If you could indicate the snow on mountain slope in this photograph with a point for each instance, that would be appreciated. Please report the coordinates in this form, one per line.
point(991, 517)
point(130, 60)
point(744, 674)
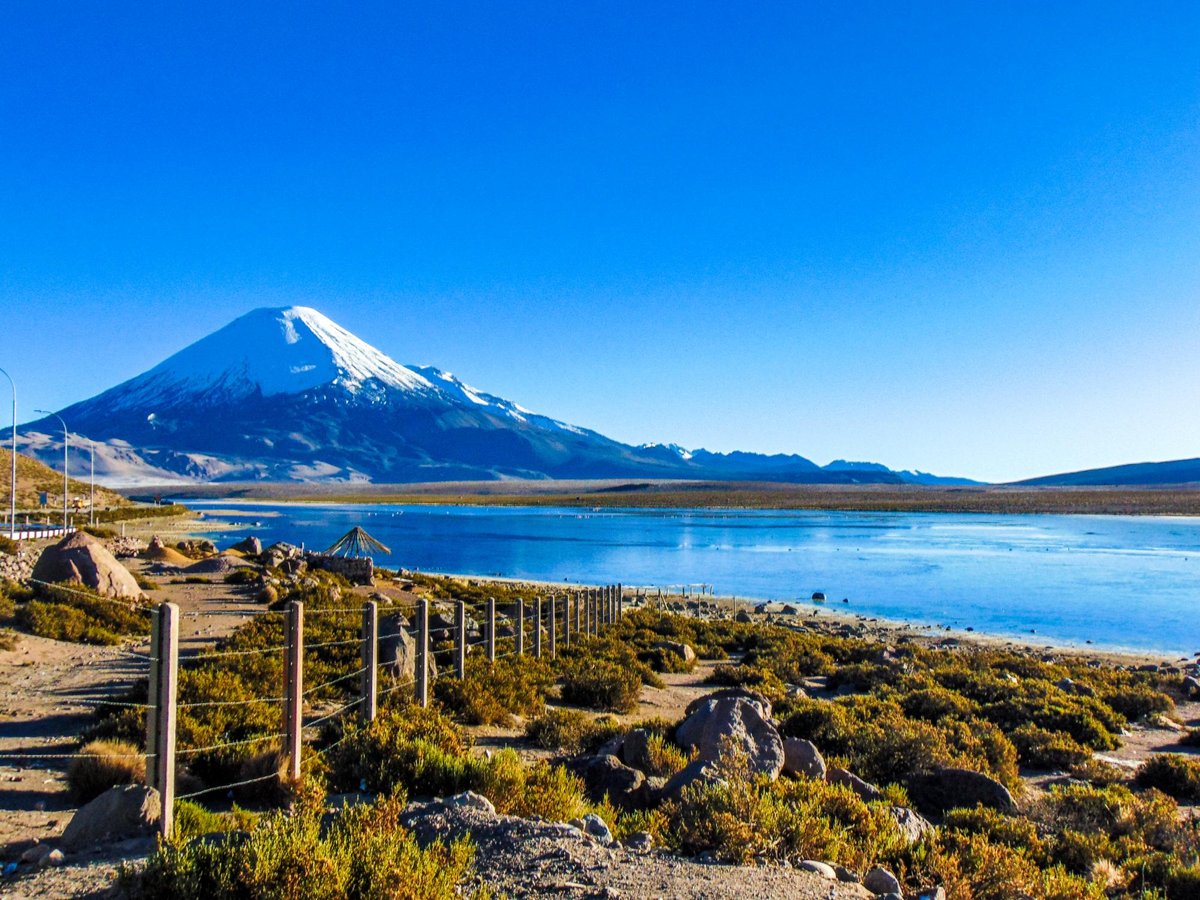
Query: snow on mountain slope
point(464, 393)
point(271, 351)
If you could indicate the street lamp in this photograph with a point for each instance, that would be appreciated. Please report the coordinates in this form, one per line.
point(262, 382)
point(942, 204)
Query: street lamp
point(66, 441)
point(12, 499)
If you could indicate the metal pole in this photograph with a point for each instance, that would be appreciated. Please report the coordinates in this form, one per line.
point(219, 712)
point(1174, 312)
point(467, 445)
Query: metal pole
point(12, 496)
point(66, 442)
point(370, 661)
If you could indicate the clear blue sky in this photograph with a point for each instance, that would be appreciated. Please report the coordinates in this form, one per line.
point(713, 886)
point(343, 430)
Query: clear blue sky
point(963, 237)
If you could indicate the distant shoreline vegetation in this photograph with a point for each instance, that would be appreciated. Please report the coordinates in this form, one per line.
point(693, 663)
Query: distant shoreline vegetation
point(1169, 500)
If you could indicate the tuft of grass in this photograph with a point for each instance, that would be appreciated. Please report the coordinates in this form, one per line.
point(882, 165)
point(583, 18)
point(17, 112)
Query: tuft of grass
point(146, 584)
point(102, 765)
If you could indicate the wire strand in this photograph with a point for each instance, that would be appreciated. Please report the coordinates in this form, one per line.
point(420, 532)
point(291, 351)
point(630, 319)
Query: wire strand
point(253, 740)
point(228, 787)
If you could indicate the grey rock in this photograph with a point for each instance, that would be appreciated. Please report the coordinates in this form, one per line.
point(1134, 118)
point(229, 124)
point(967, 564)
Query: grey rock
point(1191, 687)
point(952, 788)
point(56, 858)
point(743, 617)
point(398, 649)
point(847, 876)
point(635, 748)
point(680, 649)
point(608, 776)
point(641, 840)
point(824, 869)
point(595, 826)
point(881, 881)
point(864, 789)
point(737, 722)
point(802, 758)
point(251, 546)
point(698, 771)
point(120, 812)
point(758, 699)
point(912, 824)
point(471, 800)
point(82, 559)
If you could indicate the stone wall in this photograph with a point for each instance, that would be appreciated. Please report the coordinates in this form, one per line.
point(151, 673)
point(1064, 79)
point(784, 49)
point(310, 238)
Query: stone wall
point(20, 566)
point(356, 571)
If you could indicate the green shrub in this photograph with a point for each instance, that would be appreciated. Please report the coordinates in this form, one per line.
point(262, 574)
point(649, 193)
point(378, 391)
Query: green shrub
point(146, 584)
point(244, 575)
point(364, 853)
point(81, 616)
point(8, 546)
point(193, 820)
point(601, 684)
point(562, 729)
point(102, 765)
point(492, 693)
point(1175, 775)
point(1039, 748)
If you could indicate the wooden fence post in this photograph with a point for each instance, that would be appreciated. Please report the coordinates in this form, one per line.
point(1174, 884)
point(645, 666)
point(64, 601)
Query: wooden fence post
point(578, 601)
point(293, 695)
point(423, 652)
point(460, 646)
point(370, 661)
point(537, 626)
point(161, 717)
point(620, 600)
point(519, 627)
point(491, 629)
point(566, 623)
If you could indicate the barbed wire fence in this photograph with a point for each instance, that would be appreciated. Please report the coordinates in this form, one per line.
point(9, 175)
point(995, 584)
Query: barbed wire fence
point(534, 629)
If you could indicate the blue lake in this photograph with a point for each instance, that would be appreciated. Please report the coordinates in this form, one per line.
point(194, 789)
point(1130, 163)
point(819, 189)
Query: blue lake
point(1119, 581)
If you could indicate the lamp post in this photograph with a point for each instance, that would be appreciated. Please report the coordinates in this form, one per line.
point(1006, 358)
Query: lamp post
point(12, 498)
point(66, 441)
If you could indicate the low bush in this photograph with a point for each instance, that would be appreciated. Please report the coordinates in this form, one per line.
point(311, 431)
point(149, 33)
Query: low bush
point(492, 693)
point(8, 546)
point(193, 820)
point(243, 576)
point(99, 531)
point(1175, 775)
point(568, 730)
point(601, 684)
point(8, 639)
point(81, 616)
point(362, 853)
point(1039, 748)
point(102, 765)
point(146, 584)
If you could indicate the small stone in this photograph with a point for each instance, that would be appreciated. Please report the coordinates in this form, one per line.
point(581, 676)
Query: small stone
point(595, 826)
point(55, 858)
point(641, 840)
point(881, 881)
point(471, 800)
point(825, 870)
point(849, 876)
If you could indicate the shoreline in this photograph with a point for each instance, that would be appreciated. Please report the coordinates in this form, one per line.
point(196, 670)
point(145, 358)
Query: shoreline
point(883, 625)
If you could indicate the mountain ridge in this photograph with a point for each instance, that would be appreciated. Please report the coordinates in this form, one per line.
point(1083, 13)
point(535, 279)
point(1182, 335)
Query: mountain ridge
point(286, 394)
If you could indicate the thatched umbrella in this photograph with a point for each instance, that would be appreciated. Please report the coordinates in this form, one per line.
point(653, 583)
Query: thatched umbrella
point(356, 544)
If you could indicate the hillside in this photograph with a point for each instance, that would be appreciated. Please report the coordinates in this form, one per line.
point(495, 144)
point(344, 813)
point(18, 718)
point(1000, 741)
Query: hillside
point(1179, 471)
point(34, 477)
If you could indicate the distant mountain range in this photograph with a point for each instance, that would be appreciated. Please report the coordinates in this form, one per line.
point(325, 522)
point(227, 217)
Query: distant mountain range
point(288, 395)
point(1179, 471)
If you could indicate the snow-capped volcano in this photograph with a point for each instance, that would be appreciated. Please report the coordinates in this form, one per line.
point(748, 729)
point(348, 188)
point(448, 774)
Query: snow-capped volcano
point(269, 352)
point(287, 394)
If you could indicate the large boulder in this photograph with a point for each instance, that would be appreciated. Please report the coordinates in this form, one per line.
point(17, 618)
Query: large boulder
point(121, 812)
point(250, 546)
point(82, 559)
point(758, 699)
point(698, 771)
point(801, 757)
point(608, 776)
point(942, 789)
point(723, 722)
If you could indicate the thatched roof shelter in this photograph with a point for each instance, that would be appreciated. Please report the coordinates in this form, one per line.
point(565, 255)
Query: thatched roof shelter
point(356, 544)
